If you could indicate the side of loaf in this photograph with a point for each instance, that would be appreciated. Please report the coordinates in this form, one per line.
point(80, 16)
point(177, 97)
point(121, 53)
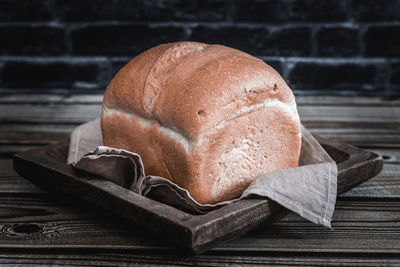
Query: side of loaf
point(207, 117)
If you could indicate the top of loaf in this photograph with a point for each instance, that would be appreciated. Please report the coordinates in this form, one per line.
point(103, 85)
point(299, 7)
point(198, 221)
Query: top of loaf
point(191, 88)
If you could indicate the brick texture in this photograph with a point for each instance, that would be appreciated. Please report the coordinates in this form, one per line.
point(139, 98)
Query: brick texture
point(262, 11)
point(83, 10)
point(318, 10)
point(336, 77)
point(318, 46)
point(121, 40)
point(37, 75)
point(32, 10)
point(250, 40)
point(32, 40)
point(383, 41)
point(172, 10)
point(375, 11)
point(337, 41)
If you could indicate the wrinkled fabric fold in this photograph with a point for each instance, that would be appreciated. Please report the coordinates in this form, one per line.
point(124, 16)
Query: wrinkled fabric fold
point(308, 190)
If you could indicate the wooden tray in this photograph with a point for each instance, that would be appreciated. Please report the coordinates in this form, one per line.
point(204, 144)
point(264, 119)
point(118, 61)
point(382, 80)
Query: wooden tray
point(46, 167)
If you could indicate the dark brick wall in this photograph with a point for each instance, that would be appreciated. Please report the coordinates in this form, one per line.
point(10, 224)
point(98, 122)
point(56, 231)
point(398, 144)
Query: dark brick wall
point(348, 47)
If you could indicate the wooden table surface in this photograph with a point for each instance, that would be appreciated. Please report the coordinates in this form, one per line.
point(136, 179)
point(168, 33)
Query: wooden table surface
point(38, 228)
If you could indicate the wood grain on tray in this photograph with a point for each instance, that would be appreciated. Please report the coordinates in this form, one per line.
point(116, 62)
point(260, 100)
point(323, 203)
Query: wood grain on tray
point(194, 233)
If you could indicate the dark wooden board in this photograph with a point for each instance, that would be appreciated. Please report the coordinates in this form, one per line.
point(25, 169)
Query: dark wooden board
point(48, 224)
point(46, 167)
point(107, 258)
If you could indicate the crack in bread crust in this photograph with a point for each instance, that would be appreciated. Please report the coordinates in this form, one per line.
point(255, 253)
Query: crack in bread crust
point(159, 71)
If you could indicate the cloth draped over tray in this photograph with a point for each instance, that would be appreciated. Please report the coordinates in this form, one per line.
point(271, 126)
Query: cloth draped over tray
point(309, 189)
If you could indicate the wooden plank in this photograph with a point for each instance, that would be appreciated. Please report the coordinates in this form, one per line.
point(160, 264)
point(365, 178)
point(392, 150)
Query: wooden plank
point(12, 183)
point(359, 227)
point(21, 137)
point(58, 108)
point(53, 99)
point(360, 121)
point(44, 221)
point(16, 138)
point(367, 114)
point(6, 169)
point(18, 185)
point(384, 185)
point(47, 114)
point(9, 150)
point(366, 137)
point(346, 101)
point(391, 155)
point(33, 135)
point(97, 99)
point(79, 113)
point(129, 258)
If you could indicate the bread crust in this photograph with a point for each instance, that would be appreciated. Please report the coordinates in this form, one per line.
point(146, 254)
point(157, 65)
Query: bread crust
point(207, 117)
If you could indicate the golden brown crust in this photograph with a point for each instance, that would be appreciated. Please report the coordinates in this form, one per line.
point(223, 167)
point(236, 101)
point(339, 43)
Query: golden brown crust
point(209, 86)
point(208, 117)
point(126, 88)
point(161, 70)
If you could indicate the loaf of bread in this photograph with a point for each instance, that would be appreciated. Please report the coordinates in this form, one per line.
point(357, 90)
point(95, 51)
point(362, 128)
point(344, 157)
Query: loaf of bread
point(207, 117)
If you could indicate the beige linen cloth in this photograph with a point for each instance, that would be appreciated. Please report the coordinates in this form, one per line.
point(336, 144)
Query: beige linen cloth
point(309, 190)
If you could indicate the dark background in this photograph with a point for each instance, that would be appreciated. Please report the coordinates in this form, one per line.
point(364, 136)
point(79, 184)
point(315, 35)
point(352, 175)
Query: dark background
point(348, 47)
